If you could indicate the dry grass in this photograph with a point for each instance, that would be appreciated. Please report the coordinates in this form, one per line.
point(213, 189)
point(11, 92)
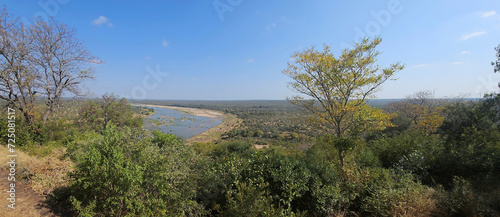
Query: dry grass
point(34, 175)
point(41, 173)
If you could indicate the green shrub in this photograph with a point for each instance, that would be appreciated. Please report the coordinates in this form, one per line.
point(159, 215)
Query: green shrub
point(122, 175)
point(163, 140)
point(250, 200)
point(463, 200)
point(96, 114)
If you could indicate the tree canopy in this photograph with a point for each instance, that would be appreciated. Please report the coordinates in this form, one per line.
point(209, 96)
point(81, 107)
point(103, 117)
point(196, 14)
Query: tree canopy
point(337, 88)
point(44, 58)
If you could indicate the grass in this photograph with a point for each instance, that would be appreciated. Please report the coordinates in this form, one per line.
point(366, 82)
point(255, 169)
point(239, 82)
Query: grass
point(40, 173)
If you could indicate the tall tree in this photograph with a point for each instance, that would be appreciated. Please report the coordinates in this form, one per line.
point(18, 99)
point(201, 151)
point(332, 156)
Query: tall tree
point(45, 59)
point(61, 60)
point(496, 64)
point(17, 76)
point(338, 88)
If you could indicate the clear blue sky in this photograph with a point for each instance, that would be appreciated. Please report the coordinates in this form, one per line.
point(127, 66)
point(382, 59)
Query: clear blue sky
point(177, 49)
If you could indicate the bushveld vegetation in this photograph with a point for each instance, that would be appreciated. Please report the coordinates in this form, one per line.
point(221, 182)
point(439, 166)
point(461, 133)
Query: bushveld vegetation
point(422, 157)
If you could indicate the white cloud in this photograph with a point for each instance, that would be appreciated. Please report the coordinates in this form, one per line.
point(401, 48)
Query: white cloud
point(472, 35)
point(271, 26)
point(148, 58)
point(102, 20)
point(164, 43)
point(457, 63)
point(194, 79)
point(488, 14)
point(464, 52)
point(420, 65)
point(250, 60)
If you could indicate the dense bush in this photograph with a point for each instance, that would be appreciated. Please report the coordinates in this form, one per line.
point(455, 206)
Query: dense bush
point(122, 175)
point(96, 114)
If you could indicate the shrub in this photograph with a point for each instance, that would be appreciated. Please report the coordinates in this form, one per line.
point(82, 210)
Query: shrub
point(121, 175)
point(462, 200)
point(96, 114)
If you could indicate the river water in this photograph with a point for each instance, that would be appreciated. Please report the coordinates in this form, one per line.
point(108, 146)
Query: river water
point(178, 123)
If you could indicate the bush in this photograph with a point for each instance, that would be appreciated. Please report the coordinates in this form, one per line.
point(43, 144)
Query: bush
point(121, 175)
point(250, 200)
point(463, 200)
point(96, 114)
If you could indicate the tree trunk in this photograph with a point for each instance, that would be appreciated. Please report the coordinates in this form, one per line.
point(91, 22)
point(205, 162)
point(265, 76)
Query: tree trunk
point(48, 111)
point(30, 119)
point(341, 157)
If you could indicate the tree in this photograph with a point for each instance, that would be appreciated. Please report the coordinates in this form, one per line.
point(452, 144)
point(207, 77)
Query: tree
point(98, 113)
point(17, 77)
point(61, 61)
point(43, 58)
point(422, 109)
point(338, 88)
point(496, 64)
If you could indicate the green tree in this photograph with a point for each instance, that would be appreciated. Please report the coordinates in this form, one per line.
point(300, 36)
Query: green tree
point(338, 88)
point(96, 114)
point(496, 64)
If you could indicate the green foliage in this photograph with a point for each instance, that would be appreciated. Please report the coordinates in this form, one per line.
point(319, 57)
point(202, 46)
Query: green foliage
point(322, 153)
point(250, 200)
point(393, 194)
point(96, 114)
point(392, 151)
point(122, 175)
point(463, 200)
point(496, 64)
point(162, 139)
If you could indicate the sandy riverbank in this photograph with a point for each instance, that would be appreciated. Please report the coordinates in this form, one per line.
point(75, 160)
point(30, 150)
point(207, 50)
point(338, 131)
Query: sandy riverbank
point(191, 111)
point(213, 134)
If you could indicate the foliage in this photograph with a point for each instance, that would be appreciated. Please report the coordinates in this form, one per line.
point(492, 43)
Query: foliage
point(338, 88)
point(251, 200)
point(162, 139)
point(496, 64)
point(96, 114)
point(122, 175)
point(422, 108)
point(462, 200)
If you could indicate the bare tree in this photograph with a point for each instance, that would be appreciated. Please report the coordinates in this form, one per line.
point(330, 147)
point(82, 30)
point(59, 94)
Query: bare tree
point(45, 59)
point(61, 60)
point(17, 76)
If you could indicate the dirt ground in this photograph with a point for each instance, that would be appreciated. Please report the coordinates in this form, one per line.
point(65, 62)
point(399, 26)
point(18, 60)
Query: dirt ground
point(28, 202)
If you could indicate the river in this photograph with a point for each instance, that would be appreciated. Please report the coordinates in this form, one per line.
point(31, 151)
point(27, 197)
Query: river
point(178, 123)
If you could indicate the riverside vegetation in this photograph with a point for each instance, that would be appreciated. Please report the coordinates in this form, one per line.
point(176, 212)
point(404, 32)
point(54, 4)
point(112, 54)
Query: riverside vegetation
point(420, 156)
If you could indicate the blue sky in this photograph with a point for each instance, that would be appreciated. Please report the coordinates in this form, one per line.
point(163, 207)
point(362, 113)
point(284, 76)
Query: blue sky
point(236, 49)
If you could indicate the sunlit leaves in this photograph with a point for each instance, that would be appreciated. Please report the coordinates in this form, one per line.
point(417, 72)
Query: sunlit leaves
point(338, 87)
